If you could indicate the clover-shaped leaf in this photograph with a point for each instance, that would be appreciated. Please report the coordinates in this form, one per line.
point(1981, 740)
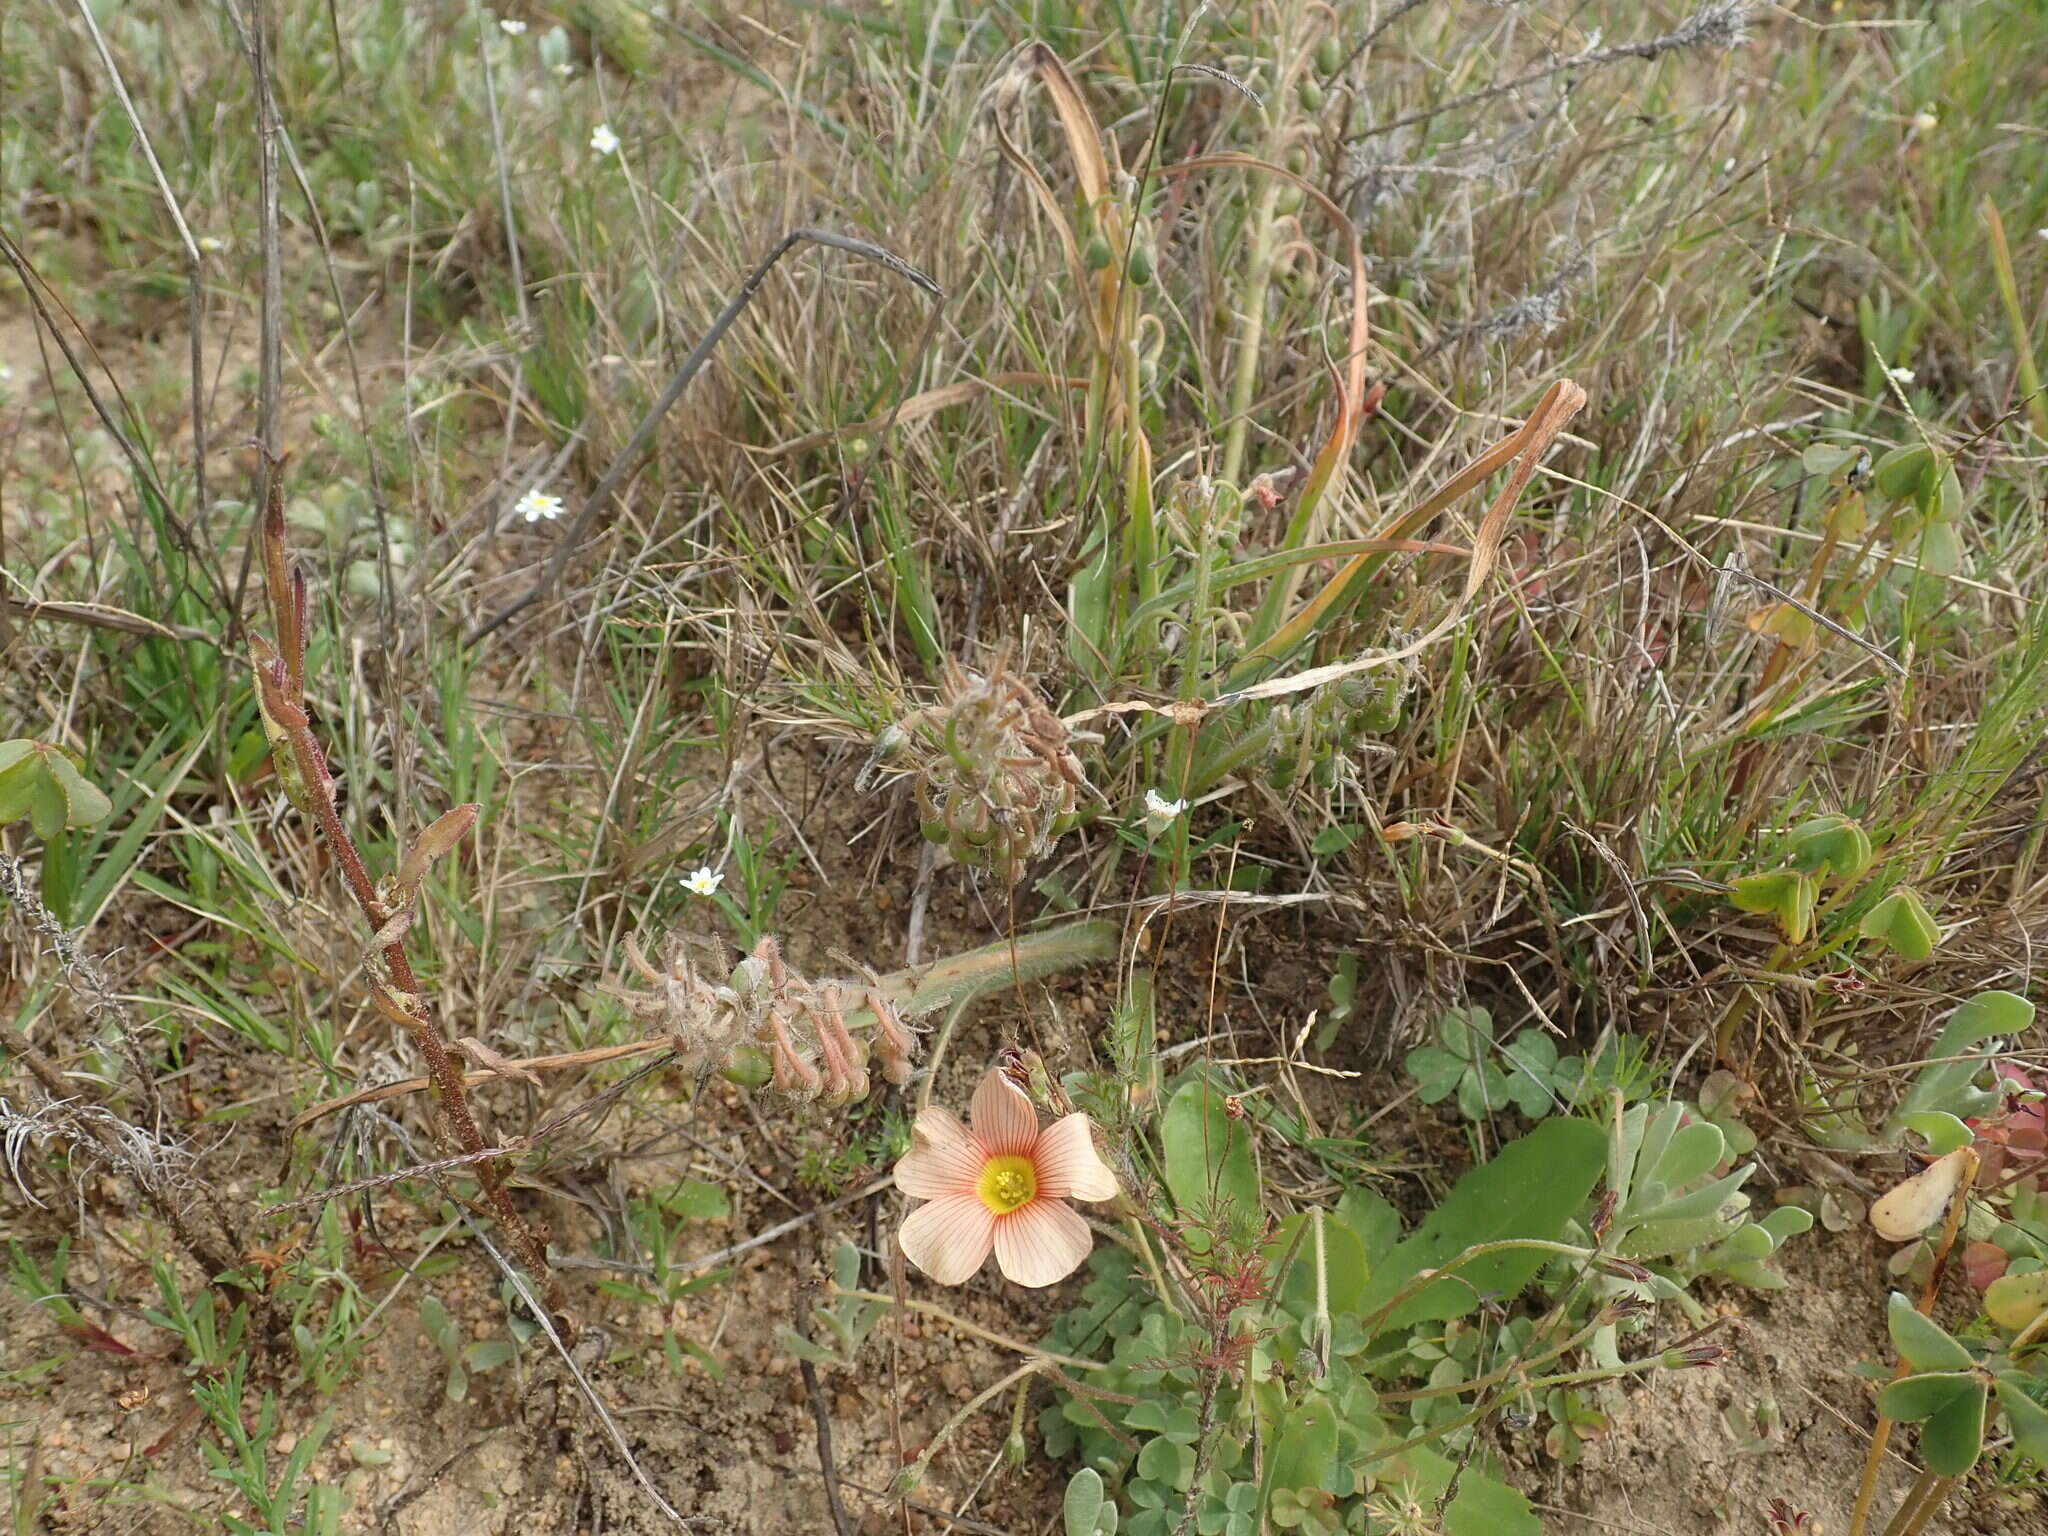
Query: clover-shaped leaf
point(43, 783)
point(1901, 920)
point(1922, 1342)
point(2027, 1419)
point(1830, 844)
point(1436, 1072)
point(1532, 1072)
point(1783, 894)
point(1904, 472)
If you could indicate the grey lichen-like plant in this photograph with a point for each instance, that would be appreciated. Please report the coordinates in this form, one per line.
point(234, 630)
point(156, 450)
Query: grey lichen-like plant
point(766, 1023)
point(997, 781)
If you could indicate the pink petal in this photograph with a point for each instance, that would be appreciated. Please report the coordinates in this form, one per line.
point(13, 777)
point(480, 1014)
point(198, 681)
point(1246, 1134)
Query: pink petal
point(1068, 1164)
point(1004, 1122)
point(1042, 1242)
point(948, 1238)
point(943, 1159)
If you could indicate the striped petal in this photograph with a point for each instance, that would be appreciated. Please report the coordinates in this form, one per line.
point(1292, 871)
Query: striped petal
point(942, 1160)
point(1004, 1122)
point(1042, 1242)
point(948, 1238)
point(1068, 1164)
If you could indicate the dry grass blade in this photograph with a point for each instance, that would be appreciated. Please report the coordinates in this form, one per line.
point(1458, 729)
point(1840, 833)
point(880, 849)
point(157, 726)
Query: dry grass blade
point(628, 457)
point(1562, 401)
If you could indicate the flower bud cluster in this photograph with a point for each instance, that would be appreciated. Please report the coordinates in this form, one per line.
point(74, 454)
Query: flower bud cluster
point(996, 780)
point(766, 1023)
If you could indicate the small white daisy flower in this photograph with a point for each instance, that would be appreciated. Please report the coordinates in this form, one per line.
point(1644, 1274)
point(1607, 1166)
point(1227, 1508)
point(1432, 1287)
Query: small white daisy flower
point(511, 26)
point(1160, 812)
point(603, 141)
point(1901, 375)
point(535, 505)
point(703, 881)
point(212, 245)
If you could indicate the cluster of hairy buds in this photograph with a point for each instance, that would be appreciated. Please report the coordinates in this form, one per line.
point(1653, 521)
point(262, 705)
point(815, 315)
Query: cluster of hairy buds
point(996, 779)
point(765, 1023)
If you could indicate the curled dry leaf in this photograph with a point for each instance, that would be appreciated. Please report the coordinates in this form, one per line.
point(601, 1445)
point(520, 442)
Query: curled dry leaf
point(1918, 1204)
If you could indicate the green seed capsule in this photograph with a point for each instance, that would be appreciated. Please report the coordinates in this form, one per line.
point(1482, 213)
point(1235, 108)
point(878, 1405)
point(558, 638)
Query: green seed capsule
point(1310, 94)
point(1290, 199)
point(1097, 254)
point(1141, 265)
point(1329, 56)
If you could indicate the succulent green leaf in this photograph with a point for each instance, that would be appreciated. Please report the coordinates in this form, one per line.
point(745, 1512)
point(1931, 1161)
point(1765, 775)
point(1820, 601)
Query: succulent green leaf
point(85, 805)
point(1913, 1398)
point(1825, 459)
point(1785, 895)
point(1830, 844)
point(1942, 1131)
point(1945, 1083)
point(1920, 1340)
point(1081, 1509)
point(1305, 1447)
point(2017, 1301)
point(48, 810)
point(2027, 1419)
point(1208, 1154)
point(1953, 1437)
point(1530, 1189)
point(1693, 1153)
point(1901, 920)
point(1901, 473)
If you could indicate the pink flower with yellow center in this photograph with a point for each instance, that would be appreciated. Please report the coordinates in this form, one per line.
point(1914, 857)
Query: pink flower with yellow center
point(1000, 1184)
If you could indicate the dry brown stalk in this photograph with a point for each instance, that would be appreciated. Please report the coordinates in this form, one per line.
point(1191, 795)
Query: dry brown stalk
point(302, 767)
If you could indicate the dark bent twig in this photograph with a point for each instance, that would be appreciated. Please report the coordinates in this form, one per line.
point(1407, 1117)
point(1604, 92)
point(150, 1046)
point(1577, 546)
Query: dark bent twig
point(629, 457)
point(820, 1416)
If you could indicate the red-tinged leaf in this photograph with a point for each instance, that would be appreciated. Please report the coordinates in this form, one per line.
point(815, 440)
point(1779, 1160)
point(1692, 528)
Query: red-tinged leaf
point(1984, 1263)
point(93, 1337)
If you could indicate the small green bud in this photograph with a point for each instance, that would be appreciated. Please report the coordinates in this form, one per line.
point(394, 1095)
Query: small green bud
point(1329, 57)
point(1290, 199)
point(1310, 94)
point(1096, 254)
point(748, 1066)
point(1141, 264)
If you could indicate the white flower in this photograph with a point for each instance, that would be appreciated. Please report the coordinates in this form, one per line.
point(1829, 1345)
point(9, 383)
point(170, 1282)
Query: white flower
point(703, 881)
point(212, 245)
point(603, 140)
point(1901, 375)
point(511, 26)
point(1924, 121)
point(535, 505)
point(1160, 812)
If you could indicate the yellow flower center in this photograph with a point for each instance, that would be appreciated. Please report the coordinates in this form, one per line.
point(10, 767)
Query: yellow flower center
point(1006, 1183)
